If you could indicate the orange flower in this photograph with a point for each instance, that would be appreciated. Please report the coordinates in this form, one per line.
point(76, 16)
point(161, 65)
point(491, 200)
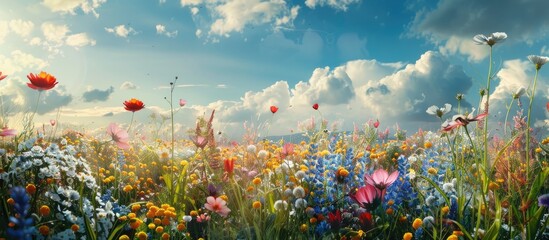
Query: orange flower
point(31, 188)
point(44, 230)
point(133, 105)
point(44, 210)
point(42, 81)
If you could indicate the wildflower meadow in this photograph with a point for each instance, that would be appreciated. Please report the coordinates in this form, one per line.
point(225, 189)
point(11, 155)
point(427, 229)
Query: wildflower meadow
point(461, 181)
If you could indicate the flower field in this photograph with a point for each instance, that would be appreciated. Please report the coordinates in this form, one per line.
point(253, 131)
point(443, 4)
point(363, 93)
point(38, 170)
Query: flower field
point(462, 181)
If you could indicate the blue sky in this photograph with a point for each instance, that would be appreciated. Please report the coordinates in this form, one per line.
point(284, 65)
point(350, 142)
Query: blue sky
point(359, 59)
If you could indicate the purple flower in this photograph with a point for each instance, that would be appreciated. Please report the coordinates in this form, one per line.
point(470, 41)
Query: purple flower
point(543, 200)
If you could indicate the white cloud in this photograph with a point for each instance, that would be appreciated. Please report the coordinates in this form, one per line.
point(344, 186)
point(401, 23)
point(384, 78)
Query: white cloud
point(544, 50)
point(225, 17)
point(21, 27)
point(121, 31)
point(70, 6)
point(56, 36)
point(332, 88)
point(127, 85)
point(452, 22)
point(161, 1)
point(19, 61)
point(351, 93)
point(466, 47)
point(54, 33)
point(4, 30)
point(337, 4)
point(79, 40)
point(514, 74)
point(161, 29)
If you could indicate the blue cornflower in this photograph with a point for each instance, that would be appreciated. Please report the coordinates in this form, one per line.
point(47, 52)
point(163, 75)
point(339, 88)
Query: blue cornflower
point(23, 224)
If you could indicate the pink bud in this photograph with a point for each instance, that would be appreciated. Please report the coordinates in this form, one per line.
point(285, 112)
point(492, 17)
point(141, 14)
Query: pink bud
point(53, 122)
point(182, 102)
point(376, 124)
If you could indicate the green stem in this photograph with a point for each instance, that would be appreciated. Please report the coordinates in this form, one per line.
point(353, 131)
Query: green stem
point(533, 91)
point(131, 123)
point(507, 116)
point(486, 110)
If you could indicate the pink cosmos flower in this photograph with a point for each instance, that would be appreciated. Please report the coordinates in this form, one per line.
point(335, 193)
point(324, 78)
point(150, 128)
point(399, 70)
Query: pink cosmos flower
point(461, 120)
point(217, 205)
point(118, 135)
point(366, 195)
point(381, 179)
point(6, 132)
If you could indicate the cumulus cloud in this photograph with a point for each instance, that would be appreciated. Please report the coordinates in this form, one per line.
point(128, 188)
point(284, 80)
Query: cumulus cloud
point(121, 31)
point(354, 92)
point(54, 33)
point(96, 95)
point(225, 17)
point(325, 87)
point(514, 74)
point(453, 23)
point(21, 27)
point(127, 85)
point(70, 6)
point(337, 4)
point(57, 35)
point(4, 30)
point(161, 29)
point(79, 40)
point(19, 61)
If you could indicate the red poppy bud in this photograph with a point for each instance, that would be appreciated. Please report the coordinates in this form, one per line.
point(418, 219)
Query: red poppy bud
point(315, 106)
point(274, 109)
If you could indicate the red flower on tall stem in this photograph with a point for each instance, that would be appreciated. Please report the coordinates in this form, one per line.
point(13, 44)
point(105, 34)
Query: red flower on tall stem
point(274, 109)
point(133, 105)
point(41, 81)
point(315, 106)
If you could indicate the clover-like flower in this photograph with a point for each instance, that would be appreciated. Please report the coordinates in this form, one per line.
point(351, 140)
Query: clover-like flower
point(436, 111)
point(538, 60)
point(490, 40)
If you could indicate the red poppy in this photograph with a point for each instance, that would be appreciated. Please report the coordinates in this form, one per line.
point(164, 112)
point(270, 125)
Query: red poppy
point(2, 76)
point(133, 105)
point(315, 106)
point(42, 81)
point(274, 109)
point(229, 166)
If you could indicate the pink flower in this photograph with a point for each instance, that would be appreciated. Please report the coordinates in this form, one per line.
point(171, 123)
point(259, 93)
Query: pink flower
point(381, 179)
point(461, 120)
point(53, 122)
point(376, 124)
point(203, 218)
point(118, 135)
point(182, 102)
point(365, 196)
point(217, 205)
point(2, 76)
point(6, 132)
point(199, 141)
point(287, 149)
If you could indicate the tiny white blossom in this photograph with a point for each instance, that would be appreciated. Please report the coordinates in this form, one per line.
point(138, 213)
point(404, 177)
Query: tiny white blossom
point(519, 93)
